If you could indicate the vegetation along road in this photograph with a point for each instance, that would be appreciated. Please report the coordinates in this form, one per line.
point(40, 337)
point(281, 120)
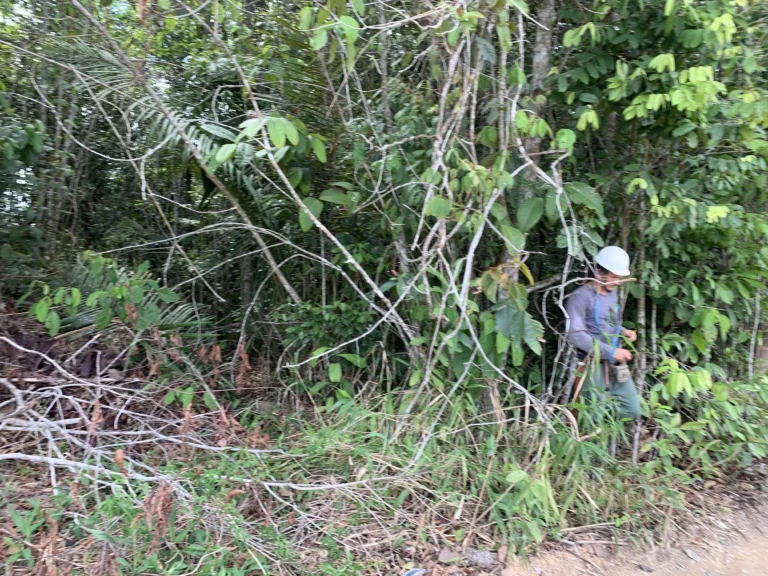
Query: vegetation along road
point(352, 287)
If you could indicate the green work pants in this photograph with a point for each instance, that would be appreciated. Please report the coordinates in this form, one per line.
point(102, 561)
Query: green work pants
point(623, 394)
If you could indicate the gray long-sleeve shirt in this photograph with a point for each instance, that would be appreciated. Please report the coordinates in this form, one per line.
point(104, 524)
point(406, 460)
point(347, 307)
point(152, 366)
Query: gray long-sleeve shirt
point(594, 318)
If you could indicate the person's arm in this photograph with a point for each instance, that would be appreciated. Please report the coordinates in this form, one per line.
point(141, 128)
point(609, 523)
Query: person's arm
point(577, 306)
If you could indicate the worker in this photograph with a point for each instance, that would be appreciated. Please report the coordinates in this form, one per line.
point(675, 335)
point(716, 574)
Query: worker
point(595, 331)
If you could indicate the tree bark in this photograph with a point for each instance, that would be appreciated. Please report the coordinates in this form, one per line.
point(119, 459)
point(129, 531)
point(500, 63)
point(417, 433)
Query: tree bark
point(753, 340)
point(542, 62)
point(642, 354)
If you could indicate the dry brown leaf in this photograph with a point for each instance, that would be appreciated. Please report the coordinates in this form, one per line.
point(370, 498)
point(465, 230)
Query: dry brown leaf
point(130, 310)
point(245, 367)
point(215, 356)
point(119, 461)
point(258, 440)
point(158, 507)
point(154, 369)
point(48, 544)
point(96, 419)
point(232, 493)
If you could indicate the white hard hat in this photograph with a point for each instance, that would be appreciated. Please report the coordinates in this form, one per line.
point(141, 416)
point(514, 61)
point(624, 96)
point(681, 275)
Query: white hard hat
point(613, 259)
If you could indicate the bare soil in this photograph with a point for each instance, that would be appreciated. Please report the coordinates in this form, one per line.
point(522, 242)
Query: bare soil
point(735, 544)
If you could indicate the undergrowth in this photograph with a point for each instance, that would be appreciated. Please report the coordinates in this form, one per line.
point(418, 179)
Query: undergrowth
point(351, 488)
point(189, 467)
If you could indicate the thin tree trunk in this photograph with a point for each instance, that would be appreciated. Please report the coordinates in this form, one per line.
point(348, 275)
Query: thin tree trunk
point(654, 310)
point(323, 278)
point(753, 340)
point(542, 62)
point(384, 65)
point(642, 357)
point(246, 281)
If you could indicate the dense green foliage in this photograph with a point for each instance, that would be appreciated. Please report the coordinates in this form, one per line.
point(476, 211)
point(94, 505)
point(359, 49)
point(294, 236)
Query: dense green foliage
point(378, 208)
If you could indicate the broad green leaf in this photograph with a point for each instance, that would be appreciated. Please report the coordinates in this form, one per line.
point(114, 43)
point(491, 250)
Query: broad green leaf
point(487, 51)
point(517, 476)
point(143, 267)
point(693, 426)
point(359, 6)
point(699, 341)
point(315, 206)
point(529, 213)
point(148, 316)
point(725, 325)
point(226, 153)
point(276, 131)
point(502, 343)
point(521, 5)
point(516, 76)
point(335, 197)
point(683, 129)
point(350, 27)
point(186, 396)
point(318, 147)
point(720, 391)
point(319, 39)
point(724, 293)
point(210, 401)
point(532, 332)
point(252, 126)
point(135, 294)
point(355, 359)
point(53, 323)
point(167, 295)
point(103, 318)
point(438, 207)
point(334, 372)
point(521, 121)
point(305, 18)
point(490, 286)
point(663, 62)
point(290, 131)
point(92, 299)
point(219, 131)
point(513, 236)
point(77, 297)
point(750, 64)
point(41, 310)
point(566, 139)
point(316, 355)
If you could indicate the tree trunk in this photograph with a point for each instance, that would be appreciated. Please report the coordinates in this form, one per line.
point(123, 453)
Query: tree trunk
point(246, 281)
point(642, 354)
point(542, 62)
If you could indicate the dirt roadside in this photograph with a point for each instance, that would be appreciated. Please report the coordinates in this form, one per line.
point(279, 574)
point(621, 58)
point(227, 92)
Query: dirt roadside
point(731, 545)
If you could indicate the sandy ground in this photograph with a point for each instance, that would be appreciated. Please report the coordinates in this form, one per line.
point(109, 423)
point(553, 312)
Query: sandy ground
point(736, 546)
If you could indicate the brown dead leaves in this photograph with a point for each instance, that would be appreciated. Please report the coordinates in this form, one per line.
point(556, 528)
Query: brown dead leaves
point(96, 419)
point(156, 512)
point(244, 367)
point(120, 462)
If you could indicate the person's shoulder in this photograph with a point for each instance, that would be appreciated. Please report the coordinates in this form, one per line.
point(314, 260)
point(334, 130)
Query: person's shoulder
point(582, 294)
point(581, 291)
